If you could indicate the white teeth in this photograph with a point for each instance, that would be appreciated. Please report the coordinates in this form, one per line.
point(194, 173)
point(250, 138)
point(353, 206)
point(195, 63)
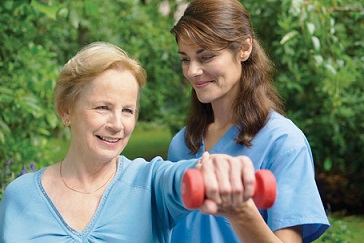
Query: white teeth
point(110, 140)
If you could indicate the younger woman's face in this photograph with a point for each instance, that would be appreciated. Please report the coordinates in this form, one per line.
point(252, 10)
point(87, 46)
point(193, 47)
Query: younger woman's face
point(214, 75)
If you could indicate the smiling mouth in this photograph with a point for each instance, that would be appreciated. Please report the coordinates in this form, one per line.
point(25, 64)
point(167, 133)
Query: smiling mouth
point(202, 84)
point(109, 140)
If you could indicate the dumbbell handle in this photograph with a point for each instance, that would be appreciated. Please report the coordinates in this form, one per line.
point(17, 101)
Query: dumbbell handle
point(193, 189)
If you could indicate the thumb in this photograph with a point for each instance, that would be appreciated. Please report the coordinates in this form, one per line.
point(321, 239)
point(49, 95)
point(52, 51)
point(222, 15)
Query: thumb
point(205, 156)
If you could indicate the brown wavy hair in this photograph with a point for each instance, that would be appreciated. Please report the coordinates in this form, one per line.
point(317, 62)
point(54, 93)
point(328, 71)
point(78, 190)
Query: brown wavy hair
point(219, 24)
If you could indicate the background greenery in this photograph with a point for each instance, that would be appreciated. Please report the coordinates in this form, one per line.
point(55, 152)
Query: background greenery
point(317, 46)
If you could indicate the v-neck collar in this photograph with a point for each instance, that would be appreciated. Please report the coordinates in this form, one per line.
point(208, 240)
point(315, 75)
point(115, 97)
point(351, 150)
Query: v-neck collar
point(227, 138)
point(88, 229)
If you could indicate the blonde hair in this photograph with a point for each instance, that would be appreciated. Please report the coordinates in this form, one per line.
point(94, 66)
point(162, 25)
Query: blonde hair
point(86, 65)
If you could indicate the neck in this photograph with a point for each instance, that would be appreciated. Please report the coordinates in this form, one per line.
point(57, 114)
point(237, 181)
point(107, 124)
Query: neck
point(86, 181)
point(222, 113)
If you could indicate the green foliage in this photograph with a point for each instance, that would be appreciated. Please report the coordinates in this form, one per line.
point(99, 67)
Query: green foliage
point(344, 229)
point(27, 76)
point(320, 78)
point(341, 234)
point(318, 50)
point(148, 141)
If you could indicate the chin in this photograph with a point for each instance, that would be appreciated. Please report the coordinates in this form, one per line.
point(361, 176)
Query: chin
point(204, 100)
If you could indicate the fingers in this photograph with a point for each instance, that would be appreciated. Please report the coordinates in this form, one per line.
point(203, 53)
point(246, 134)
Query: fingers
point(237, 187)
point(204, 158)
point(248, 178)
point(209, 169)
point(209, 207)
point(229, 181)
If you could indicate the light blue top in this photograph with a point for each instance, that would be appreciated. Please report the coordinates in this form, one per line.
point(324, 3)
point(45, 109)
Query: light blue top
point(280, 147)
point(141, 204)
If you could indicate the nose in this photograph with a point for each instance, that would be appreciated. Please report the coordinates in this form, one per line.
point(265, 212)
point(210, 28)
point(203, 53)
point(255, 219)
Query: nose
point(116, 122)
point(194, 69)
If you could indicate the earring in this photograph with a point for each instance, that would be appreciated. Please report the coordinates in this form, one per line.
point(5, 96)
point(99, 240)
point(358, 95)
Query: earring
point(67, 123)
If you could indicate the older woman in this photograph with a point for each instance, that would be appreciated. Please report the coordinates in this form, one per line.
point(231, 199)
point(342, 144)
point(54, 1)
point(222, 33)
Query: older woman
point(94, 194)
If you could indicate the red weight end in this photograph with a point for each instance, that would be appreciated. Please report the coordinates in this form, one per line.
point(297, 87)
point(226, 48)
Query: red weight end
point(265, 189)
point(193, 189)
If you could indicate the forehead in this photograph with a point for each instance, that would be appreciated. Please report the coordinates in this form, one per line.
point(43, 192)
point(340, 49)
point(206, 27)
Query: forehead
point(188, 48)
point(114, 84)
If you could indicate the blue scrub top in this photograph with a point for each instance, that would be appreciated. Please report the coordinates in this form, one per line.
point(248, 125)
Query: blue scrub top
point(280, 147)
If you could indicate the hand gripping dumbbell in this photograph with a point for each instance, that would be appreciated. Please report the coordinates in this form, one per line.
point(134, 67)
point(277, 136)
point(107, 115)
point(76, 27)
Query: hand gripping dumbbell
point(193, 189)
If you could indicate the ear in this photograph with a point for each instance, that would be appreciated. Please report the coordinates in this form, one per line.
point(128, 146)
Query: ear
point(66, 118)
point(246, 49)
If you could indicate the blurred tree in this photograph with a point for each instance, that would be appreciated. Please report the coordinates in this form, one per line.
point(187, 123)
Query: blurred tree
point(27, 73)
point(319, 73)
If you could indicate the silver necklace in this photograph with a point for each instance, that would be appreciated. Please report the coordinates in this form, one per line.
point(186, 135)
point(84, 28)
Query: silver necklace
point(72, 189)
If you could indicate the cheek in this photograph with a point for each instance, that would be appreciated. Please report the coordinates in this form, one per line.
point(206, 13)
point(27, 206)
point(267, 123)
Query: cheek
point(225, 67)
point(95, 120)
point(232, 73)
point(82, 121)
point(185, 71)
point(129, 125)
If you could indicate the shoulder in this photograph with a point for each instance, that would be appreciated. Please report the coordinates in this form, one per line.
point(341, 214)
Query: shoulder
point(279, 123)
point(179, 137)
point(22, 183)
point(21, 188)
point(281, 130)
point(279, 140)
point(177, 148)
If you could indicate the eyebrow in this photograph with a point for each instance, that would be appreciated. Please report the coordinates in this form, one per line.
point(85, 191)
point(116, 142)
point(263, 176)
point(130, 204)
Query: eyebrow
point(197, 52)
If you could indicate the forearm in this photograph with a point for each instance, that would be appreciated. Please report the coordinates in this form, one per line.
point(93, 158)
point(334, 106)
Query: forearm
point(249, 225)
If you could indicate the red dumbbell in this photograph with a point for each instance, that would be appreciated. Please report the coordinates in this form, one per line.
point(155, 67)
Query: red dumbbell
point(193, 189)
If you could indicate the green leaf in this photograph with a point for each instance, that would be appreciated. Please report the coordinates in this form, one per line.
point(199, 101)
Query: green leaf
point(52, 119)
point(319, 59)
point(288, 36)
point(311, 28)
point(331, 68)
point(4, 129)
point(327, 164)
point(74, 18)
point(2, 137)
point(50, 11)
point(316, 43)
point(30, 104)
point(43, 131)
point(296, 7)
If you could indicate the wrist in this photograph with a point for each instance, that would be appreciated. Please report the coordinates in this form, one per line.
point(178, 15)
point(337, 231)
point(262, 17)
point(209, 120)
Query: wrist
point(243, 212)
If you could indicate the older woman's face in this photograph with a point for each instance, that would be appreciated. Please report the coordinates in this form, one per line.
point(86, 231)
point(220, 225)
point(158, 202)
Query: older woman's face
point(104, 116)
